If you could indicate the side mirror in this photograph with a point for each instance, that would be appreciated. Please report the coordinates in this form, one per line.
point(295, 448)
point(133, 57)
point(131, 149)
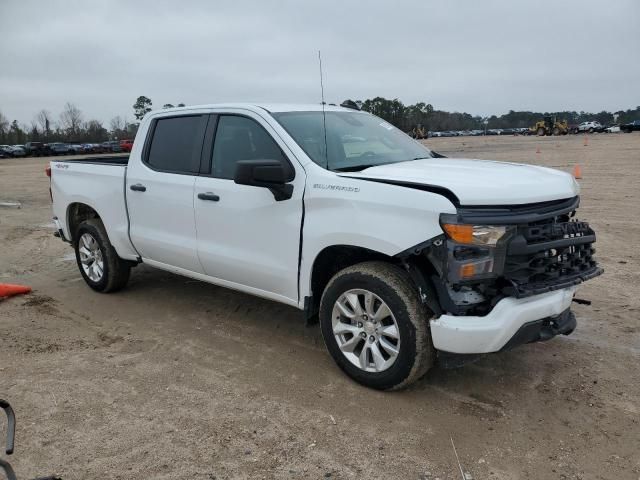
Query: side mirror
point(271, 174)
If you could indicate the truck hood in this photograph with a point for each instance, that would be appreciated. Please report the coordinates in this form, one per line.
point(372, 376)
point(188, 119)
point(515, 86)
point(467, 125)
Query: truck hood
point(478, 182)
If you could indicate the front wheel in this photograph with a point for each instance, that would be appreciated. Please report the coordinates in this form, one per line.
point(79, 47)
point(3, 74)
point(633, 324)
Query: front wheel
point(97, 260)
point(541, 132)
point(375, 327)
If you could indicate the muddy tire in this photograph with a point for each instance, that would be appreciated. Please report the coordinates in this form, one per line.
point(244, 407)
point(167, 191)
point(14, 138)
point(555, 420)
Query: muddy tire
point(556, 131)
point(541, 132)
point(375, 327)
point(97, 260)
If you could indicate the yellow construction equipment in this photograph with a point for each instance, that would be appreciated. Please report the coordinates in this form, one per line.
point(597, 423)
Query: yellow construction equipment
point(549, 126)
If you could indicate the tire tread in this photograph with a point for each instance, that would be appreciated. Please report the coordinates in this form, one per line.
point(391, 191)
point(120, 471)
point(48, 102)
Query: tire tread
point(399, 281)
point(118, 270)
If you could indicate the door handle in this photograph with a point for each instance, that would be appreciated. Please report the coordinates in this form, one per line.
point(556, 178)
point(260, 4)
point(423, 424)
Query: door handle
point(138, 187)
point(209, 196)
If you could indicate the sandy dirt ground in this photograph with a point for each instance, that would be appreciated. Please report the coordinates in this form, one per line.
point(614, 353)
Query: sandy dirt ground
point(176, 379)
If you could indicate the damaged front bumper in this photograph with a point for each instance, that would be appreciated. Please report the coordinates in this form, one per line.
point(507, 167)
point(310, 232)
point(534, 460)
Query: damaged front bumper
point(496, 330)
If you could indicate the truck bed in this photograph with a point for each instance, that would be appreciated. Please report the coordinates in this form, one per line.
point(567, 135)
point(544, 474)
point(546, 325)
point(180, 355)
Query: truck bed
point(98, 184)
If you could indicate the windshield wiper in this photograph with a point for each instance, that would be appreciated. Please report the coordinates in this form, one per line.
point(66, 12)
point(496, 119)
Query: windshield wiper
point(433, 155)
point(356, 168)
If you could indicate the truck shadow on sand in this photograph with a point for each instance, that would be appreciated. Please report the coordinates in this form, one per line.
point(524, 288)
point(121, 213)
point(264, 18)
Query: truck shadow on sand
point(279, 326)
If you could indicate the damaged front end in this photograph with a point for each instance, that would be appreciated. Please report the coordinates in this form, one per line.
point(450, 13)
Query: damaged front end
point(487, 254)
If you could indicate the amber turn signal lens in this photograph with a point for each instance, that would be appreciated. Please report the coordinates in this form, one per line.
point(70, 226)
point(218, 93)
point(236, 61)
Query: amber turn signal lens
point(459, 233)
point(468, 270)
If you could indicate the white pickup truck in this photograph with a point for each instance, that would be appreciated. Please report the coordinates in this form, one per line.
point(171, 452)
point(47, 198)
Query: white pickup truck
point(404, 256)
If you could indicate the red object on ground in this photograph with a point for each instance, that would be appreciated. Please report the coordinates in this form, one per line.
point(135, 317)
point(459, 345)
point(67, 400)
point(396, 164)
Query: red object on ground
point(9, 290)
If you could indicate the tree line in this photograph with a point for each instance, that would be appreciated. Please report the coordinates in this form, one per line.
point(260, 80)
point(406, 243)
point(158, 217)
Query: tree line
point(406, 117)
point(70, 125)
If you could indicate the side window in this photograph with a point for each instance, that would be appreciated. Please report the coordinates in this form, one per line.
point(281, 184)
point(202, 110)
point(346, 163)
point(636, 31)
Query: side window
point(241, 138)
point(176, 144)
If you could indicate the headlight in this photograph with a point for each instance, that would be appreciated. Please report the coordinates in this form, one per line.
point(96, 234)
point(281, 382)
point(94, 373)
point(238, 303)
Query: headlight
point(474, 252)
point(474, 234)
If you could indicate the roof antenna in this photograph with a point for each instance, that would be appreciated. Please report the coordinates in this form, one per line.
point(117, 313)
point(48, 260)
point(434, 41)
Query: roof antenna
point(324, 116)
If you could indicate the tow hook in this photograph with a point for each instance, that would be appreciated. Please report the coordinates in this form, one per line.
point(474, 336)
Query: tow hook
point(11, 434)
point(581, 301)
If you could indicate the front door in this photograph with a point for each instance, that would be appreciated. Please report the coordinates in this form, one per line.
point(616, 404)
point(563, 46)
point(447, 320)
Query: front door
point(247, 239)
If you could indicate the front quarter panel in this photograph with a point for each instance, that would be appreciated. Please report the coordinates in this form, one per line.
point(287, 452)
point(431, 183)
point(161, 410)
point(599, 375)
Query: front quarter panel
point(381, 217)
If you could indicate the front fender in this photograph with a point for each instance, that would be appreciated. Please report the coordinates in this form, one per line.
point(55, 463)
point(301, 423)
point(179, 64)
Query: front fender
point(386, 219)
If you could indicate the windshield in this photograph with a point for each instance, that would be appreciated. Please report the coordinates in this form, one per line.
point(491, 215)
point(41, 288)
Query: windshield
point(354, 140)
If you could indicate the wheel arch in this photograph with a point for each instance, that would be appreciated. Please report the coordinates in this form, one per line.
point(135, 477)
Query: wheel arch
point(78, 212)
point(334, 258)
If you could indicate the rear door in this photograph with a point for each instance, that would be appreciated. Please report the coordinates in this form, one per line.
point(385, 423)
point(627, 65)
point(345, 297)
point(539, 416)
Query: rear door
point(247, 239)
point(159, 191)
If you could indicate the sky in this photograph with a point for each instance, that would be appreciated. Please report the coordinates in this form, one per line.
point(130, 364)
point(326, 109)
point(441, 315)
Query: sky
point(482, 57)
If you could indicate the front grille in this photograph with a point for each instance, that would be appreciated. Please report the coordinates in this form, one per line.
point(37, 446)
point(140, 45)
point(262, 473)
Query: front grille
point(550, 254)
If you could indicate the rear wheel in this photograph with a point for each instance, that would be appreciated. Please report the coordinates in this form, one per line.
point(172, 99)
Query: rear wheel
point(591, 130)
point(556, 131)
point(375, 327)
point(541, 132)
point(97, 260)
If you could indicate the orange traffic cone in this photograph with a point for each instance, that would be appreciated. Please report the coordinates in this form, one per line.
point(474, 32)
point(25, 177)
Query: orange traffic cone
point(586, 141)
point(577, 172)
point(538, 150)
point(8, 290)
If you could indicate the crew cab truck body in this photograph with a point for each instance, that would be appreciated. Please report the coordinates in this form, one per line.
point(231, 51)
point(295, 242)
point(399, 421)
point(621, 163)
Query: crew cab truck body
point(404, 256)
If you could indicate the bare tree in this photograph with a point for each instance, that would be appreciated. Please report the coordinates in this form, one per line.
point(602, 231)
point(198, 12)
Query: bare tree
point(34, 133)
point(43, 119)
point(117, 124)
point(4, 125)
point(95, 132)
point(71, 119)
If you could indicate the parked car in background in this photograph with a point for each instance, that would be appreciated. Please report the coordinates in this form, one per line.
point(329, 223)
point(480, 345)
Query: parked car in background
point(631, 126)
point(37, 149)
point(126, 145)
point(76, 148)
point(590, 127)
point(18, 150)
point(6, 151)
point(612, 129)
point(58, 148)
point(91, 148)
point(112, 146)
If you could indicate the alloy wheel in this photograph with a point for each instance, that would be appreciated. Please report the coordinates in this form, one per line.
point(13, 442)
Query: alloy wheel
point(366, 330)
point(91, 257)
